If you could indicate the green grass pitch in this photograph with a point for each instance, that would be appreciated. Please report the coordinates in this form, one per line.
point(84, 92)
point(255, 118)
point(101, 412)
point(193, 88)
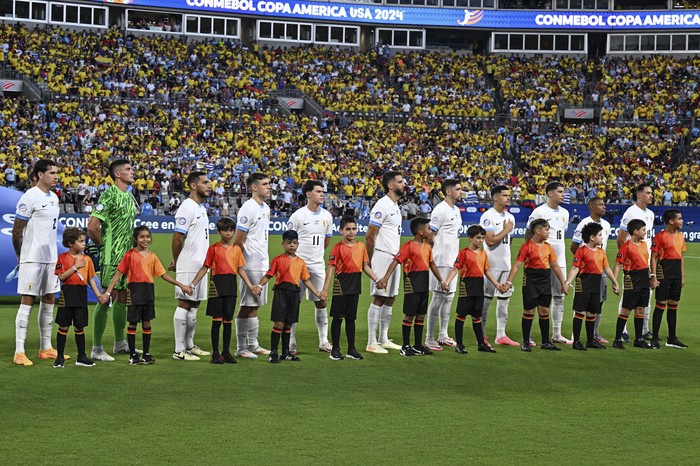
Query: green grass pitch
point(597, 407)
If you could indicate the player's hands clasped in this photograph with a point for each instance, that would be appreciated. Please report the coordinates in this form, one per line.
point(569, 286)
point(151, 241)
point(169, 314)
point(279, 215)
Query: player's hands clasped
point(103, 298)
point(187, 289)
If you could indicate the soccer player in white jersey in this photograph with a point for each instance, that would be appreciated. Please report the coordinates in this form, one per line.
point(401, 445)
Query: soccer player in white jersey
point(251, 236)
point(499, 224)
point(558, 218)
point(34, 240)
point(596, 208)
point(643, 198)
point(383, 243)
point(446, 222)
point(314, 224)
point(189, 246)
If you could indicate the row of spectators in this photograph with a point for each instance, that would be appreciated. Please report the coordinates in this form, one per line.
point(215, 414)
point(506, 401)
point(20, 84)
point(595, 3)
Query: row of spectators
point(109, 64)
point(166, 142)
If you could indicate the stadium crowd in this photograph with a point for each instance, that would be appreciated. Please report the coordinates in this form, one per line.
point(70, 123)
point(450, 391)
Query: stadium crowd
point(188, 98)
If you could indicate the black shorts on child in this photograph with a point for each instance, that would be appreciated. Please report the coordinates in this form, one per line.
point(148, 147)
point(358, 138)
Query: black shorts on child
point(345, 306)
point(285, 304)
point(470, 305)
point(536, 296)
point(222, 306)
point(632, 299)
point(73, 315)
point(586, 301)
point(415, 304)
point(140, 312)
point(669, 288)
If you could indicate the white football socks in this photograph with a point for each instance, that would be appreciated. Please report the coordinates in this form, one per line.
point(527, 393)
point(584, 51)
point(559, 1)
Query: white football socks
point(373, 315)
point(445, 315)
point(433, 316)
point(45, 319)
point(322, 325)
point(180, 327)
point(501, 316)
point(190, 327)
point(253, 327)
point(21, 324)
point(241, 334)
point(384, 322)
point(557, 315)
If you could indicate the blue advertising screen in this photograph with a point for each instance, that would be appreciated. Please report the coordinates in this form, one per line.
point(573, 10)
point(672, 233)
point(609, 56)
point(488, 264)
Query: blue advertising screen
point(441, 17)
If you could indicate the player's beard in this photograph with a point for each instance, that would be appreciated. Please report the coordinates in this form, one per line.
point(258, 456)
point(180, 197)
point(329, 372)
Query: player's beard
point(398, 192)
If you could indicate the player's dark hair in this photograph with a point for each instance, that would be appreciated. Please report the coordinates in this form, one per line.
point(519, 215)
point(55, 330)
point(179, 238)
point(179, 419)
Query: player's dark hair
point(639, 189)
point(290, 235)
point(71, 235)
point(498, 189)
point(670, 214)
point(225, 223)
point(552, 186)
point(417, 223)
point(41, 166)
point(537, 224)
point(591, 229)
point(138, 230)
point(309, 186)
point(194, 177)
point(388, 177)
point(448, 184)
point(634, 225)
point(115, 166)
point(474, 230)
point(593, 200)
point(346, 219)
point(254, 178)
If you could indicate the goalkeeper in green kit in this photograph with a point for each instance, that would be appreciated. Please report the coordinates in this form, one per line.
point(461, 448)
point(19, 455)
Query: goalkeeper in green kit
point(111, 227)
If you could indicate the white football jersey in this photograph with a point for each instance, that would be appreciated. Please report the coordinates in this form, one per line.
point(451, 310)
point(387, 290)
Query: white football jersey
point(646, 215)
point(254, 220)
point(446, 221)
point(313, 229)
point(558, 223)
point(387, 216)
point(192, 221)
point(579, 228)
point(499, 255)
point(40, 210)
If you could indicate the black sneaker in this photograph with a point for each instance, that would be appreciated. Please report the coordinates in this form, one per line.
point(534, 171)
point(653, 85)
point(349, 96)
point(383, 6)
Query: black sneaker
point(422, 350)
point(625, 337)
point(578, 346)
point(84, 361)
point(216, 358)
point(655, 344)
point(595, 345)
point(406, 350)
point(548, 345)
point(461, 349)
point(135, 360)
point(648, 336)
point(525, 346)
point(59, 362)
point(336, 355)
point(641, 343)
point(148, 359)
point(273, 358)
point(353, 354)
point(675, 343)
point(484, 348)
point(290, 357)
point(617, 344)
point(228, 358)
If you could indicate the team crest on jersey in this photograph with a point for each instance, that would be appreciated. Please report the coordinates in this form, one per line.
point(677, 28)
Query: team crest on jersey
point(181, 221)
point(378, 215)
point(324, 223)
point(243, 219)
point(22, 207)
point(99, 208)
point(487, 222)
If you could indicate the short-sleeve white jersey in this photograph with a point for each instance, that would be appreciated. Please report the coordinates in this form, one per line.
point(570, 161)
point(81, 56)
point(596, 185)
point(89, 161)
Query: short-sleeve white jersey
point(254, 220)
point(313, 229)
point(446, 221)
point(40, 210)
point(558, 220)
point(387, 216)
point(192, 221)
point(499, 255)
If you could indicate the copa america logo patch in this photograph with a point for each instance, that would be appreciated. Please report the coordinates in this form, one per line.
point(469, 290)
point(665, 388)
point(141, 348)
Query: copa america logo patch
point(99, 207)
point(290, 226)
point(22, 207)
point(378, 215)
point(181, 221)
point(487, 222)
point(243, 219)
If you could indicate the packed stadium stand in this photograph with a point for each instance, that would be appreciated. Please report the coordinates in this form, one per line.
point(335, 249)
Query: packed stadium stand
point(171, 102)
